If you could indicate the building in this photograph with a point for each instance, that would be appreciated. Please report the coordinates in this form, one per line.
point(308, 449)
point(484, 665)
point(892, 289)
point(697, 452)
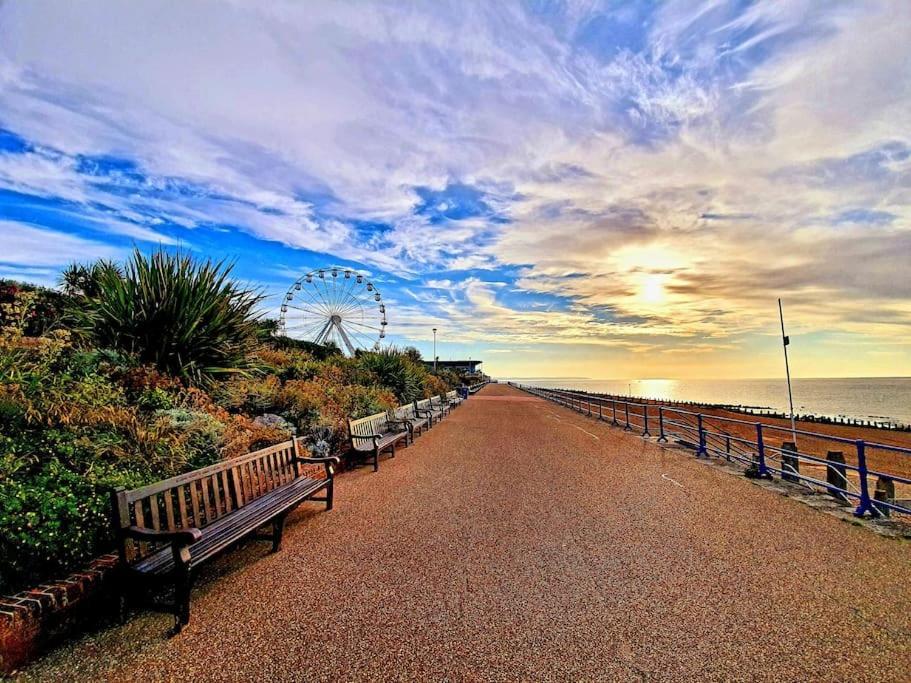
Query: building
point(462, 367)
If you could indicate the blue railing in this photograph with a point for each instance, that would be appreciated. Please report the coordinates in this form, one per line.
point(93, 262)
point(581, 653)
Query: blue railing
point(845, 471)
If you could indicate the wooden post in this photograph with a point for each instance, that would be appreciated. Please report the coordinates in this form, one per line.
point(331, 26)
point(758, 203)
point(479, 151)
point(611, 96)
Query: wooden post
point(885, 493)
point(837, 475)
point(790, 462)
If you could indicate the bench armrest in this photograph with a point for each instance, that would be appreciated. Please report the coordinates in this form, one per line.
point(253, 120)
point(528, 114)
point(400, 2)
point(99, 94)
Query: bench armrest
point(398, 422)
point(314, 460)
point(366, 436)
point(185, 536)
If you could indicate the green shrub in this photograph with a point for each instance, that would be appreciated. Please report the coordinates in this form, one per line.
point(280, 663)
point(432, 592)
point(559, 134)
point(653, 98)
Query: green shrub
point(55, 520)
point(199, 435)
point(396, 371)
point(253, 395)
point(30, 310)
point(186, 318)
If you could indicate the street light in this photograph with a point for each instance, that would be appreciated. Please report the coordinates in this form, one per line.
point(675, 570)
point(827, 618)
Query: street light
point(434, 349)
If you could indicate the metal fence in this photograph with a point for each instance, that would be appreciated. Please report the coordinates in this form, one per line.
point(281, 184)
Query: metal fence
point(874, 477)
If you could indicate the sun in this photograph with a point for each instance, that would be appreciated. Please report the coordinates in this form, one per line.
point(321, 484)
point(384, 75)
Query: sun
point(652, 289)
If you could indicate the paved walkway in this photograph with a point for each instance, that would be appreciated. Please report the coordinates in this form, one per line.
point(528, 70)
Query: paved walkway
point(520, 541)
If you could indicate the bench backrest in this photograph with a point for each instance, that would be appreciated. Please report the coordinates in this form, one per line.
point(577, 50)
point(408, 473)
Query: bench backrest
point(440, 401)
point(423, 404)
point(198, 498)
point(405, 412)
point(452, 395)
point(365, 426)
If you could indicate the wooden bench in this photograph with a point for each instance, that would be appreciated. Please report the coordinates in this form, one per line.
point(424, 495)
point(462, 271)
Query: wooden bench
point(414, 422)
point(376, 433)
point(441, 404)
point(454, 399)
point(425, 408)
point(166, 530)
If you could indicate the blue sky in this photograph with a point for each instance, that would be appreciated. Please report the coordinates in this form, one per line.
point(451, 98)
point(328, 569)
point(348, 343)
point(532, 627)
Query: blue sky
point(561, 188)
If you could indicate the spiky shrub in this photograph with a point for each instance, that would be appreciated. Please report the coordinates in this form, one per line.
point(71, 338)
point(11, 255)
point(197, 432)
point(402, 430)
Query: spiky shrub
point(396, 371)
point(186, 318)
point(84, 280)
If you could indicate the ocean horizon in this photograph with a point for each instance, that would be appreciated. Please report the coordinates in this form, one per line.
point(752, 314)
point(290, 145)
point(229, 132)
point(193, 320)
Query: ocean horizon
point(882, 399)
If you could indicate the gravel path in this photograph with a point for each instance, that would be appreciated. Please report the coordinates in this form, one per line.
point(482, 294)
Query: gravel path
point(520, 541)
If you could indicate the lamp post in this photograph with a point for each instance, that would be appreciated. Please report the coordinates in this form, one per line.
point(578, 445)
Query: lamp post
point(785, 341)
point(434, 349)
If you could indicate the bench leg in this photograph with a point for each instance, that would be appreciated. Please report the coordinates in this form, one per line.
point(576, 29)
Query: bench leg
point(122, 604)
point(376, 459)
point(278, 527)
point(183, 582)
point(329, 493)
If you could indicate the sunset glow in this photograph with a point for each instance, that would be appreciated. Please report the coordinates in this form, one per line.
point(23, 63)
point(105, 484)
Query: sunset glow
point(588, 189)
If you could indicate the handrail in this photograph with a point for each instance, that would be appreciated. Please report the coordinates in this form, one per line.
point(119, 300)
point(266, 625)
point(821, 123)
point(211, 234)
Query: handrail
point(717, 435)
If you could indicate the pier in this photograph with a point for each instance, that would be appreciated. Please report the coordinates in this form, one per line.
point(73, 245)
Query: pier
point(520, 540)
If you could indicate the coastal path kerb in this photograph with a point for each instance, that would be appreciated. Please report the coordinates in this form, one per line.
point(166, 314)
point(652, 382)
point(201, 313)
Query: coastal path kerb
point(520, 541)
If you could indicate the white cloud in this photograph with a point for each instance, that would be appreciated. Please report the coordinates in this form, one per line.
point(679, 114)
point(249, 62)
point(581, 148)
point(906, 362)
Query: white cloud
point(654, 175)
point(29, 245)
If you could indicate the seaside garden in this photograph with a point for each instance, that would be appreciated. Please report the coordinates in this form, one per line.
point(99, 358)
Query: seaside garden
point(129, 373)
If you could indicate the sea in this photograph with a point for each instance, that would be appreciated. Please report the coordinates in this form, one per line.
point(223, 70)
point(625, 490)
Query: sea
point(881, 399)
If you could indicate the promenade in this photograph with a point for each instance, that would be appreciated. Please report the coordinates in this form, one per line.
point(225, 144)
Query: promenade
point(520, 541)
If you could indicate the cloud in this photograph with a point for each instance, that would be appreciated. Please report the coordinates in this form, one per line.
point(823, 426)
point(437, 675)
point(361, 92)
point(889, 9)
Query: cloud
point(639, 175)
point(29, 245)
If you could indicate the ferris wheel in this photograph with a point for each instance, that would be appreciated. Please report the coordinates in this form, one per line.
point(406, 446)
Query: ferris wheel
point(334, 305)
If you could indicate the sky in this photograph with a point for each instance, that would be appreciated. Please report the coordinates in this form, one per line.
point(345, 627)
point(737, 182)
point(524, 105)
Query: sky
point(575, 188)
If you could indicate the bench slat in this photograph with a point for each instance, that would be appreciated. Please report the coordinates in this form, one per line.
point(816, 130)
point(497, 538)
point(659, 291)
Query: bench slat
point(216, 496)
point(194, 501)
point(227, 491)
point(153, 511)
point(143, 548)
point(169, 508)
point(237, 480)
point(205, 489)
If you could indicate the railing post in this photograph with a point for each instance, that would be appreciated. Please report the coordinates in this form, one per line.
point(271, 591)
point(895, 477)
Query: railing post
point(759, 470)
point(661, 437)
point(600, 408)
point(727, 447)
point(627, 428)
point(589, 399)
point(865, 505)
point(645, 420)
point(702, 452)
point(614, 406)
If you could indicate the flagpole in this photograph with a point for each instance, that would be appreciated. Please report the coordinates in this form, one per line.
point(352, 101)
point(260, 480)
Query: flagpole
point(785, 341)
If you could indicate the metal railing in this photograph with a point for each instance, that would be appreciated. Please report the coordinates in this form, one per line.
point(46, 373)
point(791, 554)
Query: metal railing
point(875, 476)
point(474, 388)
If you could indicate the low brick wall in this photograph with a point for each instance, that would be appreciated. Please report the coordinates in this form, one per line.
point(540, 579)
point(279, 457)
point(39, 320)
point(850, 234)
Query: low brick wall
point(32, 619)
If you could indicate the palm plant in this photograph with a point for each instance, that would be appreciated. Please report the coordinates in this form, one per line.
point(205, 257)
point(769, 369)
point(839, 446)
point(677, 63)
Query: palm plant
point(84, 281)
point(187, 318)
point(394, 370)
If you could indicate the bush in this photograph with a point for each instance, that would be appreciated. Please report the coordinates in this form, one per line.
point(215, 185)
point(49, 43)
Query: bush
point(396, 371)
point(185, 318)
point(31, 311)
point(254, 395)
point(54, 520)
